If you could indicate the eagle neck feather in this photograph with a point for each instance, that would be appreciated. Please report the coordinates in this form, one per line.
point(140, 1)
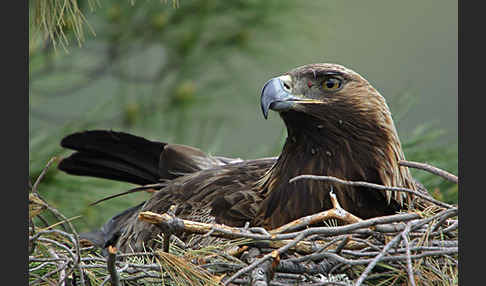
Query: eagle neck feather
point(314, 148)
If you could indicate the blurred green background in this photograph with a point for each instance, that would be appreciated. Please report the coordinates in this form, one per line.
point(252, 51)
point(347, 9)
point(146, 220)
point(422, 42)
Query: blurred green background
point(191, 73)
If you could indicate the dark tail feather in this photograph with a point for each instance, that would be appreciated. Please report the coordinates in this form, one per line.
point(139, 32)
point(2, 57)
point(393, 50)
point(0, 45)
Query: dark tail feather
point(113, 155)
point(123, 157)
point(102, 166)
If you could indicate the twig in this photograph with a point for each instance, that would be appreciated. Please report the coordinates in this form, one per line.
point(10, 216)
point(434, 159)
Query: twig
point(110, 265)
point(370, 185)
point(62, 272)
point(409, 260)
point(434, 170)
point(372, 264)
point(42, 174)
point(337, 212)
point(342, 244)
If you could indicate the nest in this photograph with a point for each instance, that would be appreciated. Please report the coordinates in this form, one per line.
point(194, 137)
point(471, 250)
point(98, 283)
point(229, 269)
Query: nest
point(410, 248)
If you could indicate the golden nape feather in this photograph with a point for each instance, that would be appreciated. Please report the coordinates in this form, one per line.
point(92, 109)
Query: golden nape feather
point(337, 125)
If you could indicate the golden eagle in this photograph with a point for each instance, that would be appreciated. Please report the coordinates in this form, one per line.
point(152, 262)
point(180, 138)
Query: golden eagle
point(337, 125)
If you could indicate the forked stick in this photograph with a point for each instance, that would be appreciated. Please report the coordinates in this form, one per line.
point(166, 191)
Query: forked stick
point(337, 212)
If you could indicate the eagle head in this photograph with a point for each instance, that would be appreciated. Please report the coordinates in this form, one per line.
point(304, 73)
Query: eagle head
point(333, 98)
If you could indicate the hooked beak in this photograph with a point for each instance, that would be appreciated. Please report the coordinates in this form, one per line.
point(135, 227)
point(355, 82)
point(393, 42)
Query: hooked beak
point(276, 96)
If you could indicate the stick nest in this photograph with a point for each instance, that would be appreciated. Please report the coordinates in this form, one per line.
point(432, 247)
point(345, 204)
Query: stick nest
point(410, 248)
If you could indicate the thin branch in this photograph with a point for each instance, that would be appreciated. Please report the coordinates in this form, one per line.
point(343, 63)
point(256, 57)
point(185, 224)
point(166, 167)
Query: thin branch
point(42, 174)
point(62, 272)
point(434, 170)
point(409, 260)
point(337, 212)
point(370, 185)
point(342, 244)
point(110, 265)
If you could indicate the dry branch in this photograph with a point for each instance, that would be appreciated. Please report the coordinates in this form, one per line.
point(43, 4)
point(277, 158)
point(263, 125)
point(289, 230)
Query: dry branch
point(411, 279)
point(337, 212)
point(110, 265)
point(373, 186)
point(224, 231)
point(434, 170)
point(42, 174)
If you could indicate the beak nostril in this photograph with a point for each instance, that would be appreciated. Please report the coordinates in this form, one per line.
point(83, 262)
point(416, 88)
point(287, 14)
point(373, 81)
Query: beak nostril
point(286, 85)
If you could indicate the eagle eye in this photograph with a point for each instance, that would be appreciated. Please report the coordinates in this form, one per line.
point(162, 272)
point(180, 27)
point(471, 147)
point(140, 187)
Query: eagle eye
point(332, 84)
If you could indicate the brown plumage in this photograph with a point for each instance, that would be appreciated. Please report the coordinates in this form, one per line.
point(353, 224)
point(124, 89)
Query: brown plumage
point(337, 124)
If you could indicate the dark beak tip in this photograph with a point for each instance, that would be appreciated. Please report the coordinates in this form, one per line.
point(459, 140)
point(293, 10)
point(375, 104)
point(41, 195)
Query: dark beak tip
point(265, 113)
